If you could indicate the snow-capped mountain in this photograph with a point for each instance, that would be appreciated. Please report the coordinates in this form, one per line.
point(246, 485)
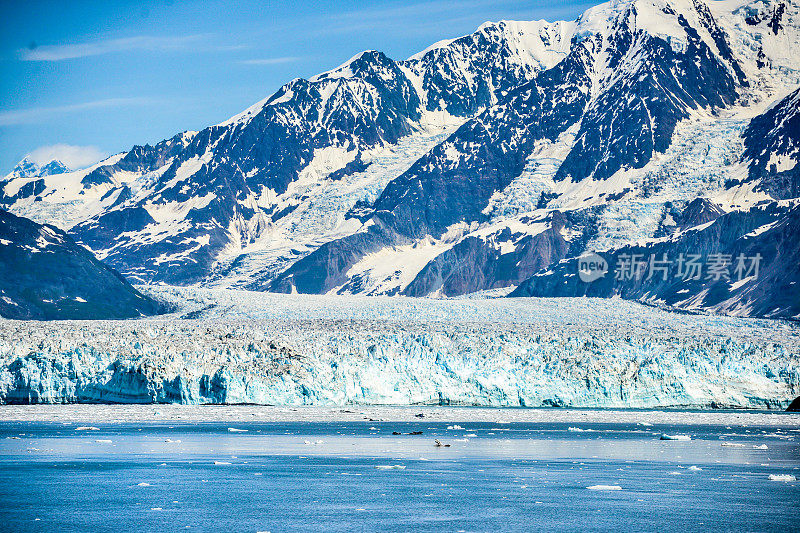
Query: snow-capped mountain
point(45, 275)
point(472, 165)
point(28, 179)
point(28, 169)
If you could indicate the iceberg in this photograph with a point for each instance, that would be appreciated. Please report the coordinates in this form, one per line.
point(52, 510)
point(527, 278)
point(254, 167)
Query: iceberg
point(604, 487)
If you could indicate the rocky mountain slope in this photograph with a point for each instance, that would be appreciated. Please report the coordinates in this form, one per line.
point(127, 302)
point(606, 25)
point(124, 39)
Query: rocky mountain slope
point(472, 165)
point(761, 278)
point(45, 275)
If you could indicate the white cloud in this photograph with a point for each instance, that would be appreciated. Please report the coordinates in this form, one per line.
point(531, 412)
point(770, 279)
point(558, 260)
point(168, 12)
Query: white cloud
point(269, 61)
point(73, 156)
point(40, 114)
point(61, 52)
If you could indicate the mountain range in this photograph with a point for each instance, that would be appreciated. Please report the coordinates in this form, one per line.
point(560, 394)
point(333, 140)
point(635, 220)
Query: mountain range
point(489, 162)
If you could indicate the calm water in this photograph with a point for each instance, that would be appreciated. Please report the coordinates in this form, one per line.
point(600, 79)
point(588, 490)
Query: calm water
point(323, 477)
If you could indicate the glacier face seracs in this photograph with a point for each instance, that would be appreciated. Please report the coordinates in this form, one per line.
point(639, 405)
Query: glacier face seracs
point(301, 350)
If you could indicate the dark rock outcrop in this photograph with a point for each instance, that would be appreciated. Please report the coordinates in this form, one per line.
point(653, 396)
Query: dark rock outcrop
point(794, 406)
point(772, 136)
point(45, 275)
point(768, 232)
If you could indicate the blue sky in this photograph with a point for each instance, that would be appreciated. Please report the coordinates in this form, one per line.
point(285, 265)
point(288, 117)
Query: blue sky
point(80, 80)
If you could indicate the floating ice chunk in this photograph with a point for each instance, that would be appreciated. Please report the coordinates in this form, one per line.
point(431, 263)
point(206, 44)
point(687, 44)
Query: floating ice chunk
point(645, 424)
point(762, 447)
point(578, 430)
point(373, 428)
point(454, 427)
point(236, 430)
point(695, 468)
point(675, 437)
point(87, 428)
point(103, 441)
point(390, 467)
point(143, 484)
point(782, 477)
point(732, 445)
point(173, 441)
point(156, 509)
point(221, 463)
point(470, 435)
point(604, 487)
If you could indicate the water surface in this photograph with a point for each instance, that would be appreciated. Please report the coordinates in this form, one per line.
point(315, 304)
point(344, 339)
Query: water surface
point(149, 475)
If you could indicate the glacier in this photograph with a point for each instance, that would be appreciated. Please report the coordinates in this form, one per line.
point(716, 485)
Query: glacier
point(237, 347)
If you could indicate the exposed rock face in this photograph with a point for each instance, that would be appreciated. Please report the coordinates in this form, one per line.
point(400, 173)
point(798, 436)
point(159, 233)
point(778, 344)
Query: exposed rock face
point(769, 232)
point(45, 275)
point(475, 264)
point(795, 405)
point(772, 142)
point(698, 212)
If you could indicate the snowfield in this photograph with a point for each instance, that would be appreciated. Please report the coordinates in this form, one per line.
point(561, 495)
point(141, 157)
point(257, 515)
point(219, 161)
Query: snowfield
point(233, 347)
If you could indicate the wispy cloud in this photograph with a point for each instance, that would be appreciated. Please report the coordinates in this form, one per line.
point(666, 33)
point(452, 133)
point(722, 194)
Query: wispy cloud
point(73, 156)
point(371, 17)
point(40, 114)
point(60, 52)
point(269, 61)
point(432, 17)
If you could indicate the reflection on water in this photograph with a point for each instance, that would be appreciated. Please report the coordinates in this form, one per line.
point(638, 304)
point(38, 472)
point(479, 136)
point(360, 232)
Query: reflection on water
point(333, 476)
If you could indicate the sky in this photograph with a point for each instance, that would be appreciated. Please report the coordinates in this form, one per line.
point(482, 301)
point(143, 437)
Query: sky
point(81, 80)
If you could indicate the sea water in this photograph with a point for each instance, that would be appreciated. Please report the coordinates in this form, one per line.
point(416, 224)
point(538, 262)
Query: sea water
point(147, 475)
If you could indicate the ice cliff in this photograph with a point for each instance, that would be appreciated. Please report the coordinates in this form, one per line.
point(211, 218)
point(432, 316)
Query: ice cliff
point(531, 353)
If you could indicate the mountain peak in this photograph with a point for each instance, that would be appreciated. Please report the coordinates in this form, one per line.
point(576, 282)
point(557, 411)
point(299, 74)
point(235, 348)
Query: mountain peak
point(440, 173)
point(27, 168)
point(53, 167)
